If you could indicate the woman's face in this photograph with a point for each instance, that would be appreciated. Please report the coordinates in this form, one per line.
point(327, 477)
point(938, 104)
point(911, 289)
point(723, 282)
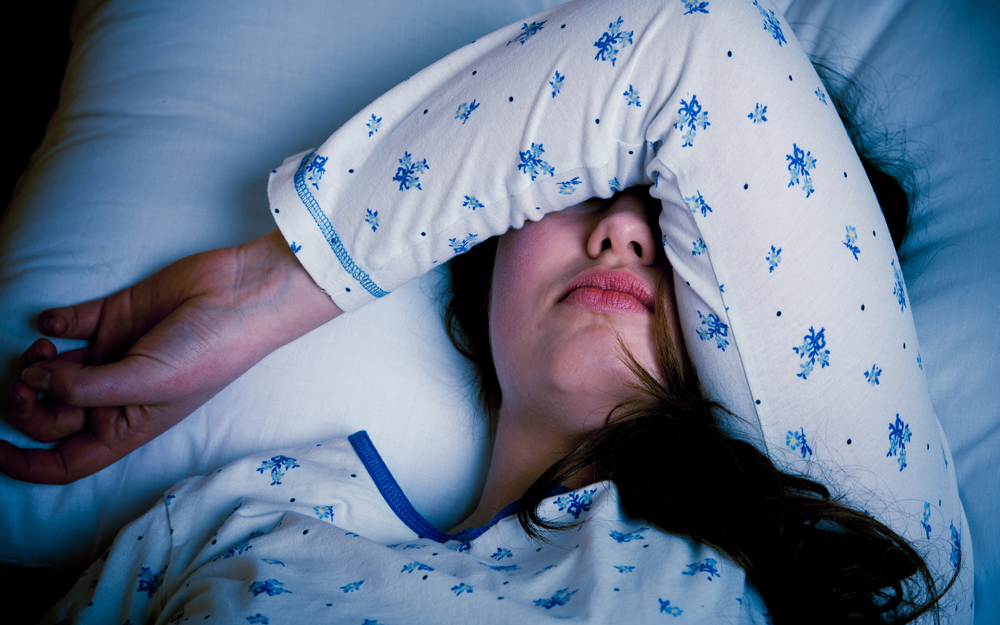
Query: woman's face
point(562, 288)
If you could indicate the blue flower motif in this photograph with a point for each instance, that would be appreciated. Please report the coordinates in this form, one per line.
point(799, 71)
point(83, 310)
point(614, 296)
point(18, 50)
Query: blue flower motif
point(568, 187)
point(461, 588)
point(898, 289)
point(699, 247)
point(506, 567)
point(295, 250)
point(502, 553)
point(665, 607)
point(697, 203)
point(559, 597)
point(624, 569)
point(819, 94)
point(920, 362)
point(271, 587)
point(527, 32)
point(169, 498)
point(465, 545)
point(812, 349)
point(924, 523)
point(629, 537)
point(270, 561)
point(258, 618)
point(899, 436)
point(352, 586)
point(632, 97)
point(708, 565)
point(771, 24)
point(800, 163)
point(464, 245)
point(797, 440)
point(691, 116)
point(576, 503)
point(372, 219)
point(714, 328)
point(758, 115)
point(851, 241)
point(278, 465)
point(956, 546)
point(694, 6)
point(373, 124)
point(773, 259)
point(242, 546)
point(873, 375)
point(323, 512)
point(316, 169)
point(415, 566)
point(464, 110)
point(149, 582)
point(557, 83)
point(613, 184)
point(472, 202)
point(607, 45)
point(407, 170)
point(532, 163)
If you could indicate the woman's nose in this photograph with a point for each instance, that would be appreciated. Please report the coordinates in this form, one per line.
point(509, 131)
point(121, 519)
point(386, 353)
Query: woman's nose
point(624, 230)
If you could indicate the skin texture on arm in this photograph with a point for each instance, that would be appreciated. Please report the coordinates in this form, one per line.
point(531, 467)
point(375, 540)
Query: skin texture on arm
point(158, 350)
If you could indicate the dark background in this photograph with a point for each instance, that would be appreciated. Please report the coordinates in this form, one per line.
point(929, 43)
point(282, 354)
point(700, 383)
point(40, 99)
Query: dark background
point(35, 46)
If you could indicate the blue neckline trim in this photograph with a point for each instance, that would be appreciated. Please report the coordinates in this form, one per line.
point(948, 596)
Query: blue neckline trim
point(402, 507)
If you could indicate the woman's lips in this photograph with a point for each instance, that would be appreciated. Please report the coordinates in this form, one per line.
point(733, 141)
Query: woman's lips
point(610, 291)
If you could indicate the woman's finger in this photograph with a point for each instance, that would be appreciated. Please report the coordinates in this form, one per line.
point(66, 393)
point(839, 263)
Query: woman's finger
point(72, 322)
point(43, 421)
point(42, 349)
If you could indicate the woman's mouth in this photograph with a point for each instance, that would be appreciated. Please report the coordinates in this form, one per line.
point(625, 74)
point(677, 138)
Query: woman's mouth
point(610, 291)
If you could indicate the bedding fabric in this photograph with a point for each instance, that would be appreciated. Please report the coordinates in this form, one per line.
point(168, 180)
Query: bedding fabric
point(244, 544)
point(170, 112)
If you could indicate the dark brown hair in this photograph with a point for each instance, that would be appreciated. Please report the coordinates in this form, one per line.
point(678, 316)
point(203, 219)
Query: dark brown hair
point(812, 558)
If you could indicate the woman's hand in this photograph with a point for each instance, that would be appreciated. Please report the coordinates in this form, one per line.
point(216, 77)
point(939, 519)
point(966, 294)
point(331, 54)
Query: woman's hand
point(158, 350)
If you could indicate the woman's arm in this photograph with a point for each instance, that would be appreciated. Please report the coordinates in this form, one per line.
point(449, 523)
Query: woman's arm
point(159, 350)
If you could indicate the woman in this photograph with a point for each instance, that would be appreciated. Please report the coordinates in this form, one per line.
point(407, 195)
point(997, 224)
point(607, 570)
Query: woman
point(222, 365)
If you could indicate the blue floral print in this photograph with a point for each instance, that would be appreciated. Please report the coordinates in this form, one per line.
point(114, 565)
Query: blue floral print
point(527, 32)
point(244, 545)
point(607, 45)
point(956, 546)
point(415, 566)
point(270, 561)
point(800, 163)
point(873, 375)
point(502, 553)
point(899, 436)
point(557, 83)
point(461, 588)
point(629, 537)
point(699, 247)
point(464, 245)
point(771, 24)
point(569, 186)
point(406, 173)
point(323, 512)
point(697, 203)
point(758, 115)
point(819, 94)
point(149, 582)
point(691, 116)
point(773, 259)
point(372, 219)
point(576, 503)
point(501, 567)
point(278, 465)
point(258, 618)
point(797, 440)
point(666, 608)
point(632, 97)
point(851, 241)
point(472, 202)
point(532, 163)
point(708, 565)
point(295, 250)
point(714, 328)
point(924, 523)
point(373, 124)
point(559, 597)
point(898, 288)
point(316, 168)
point(694, 6)
point(812, 349)
point(465, 109)
point(352, 586)
point(271, 587)
point(624, 568)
